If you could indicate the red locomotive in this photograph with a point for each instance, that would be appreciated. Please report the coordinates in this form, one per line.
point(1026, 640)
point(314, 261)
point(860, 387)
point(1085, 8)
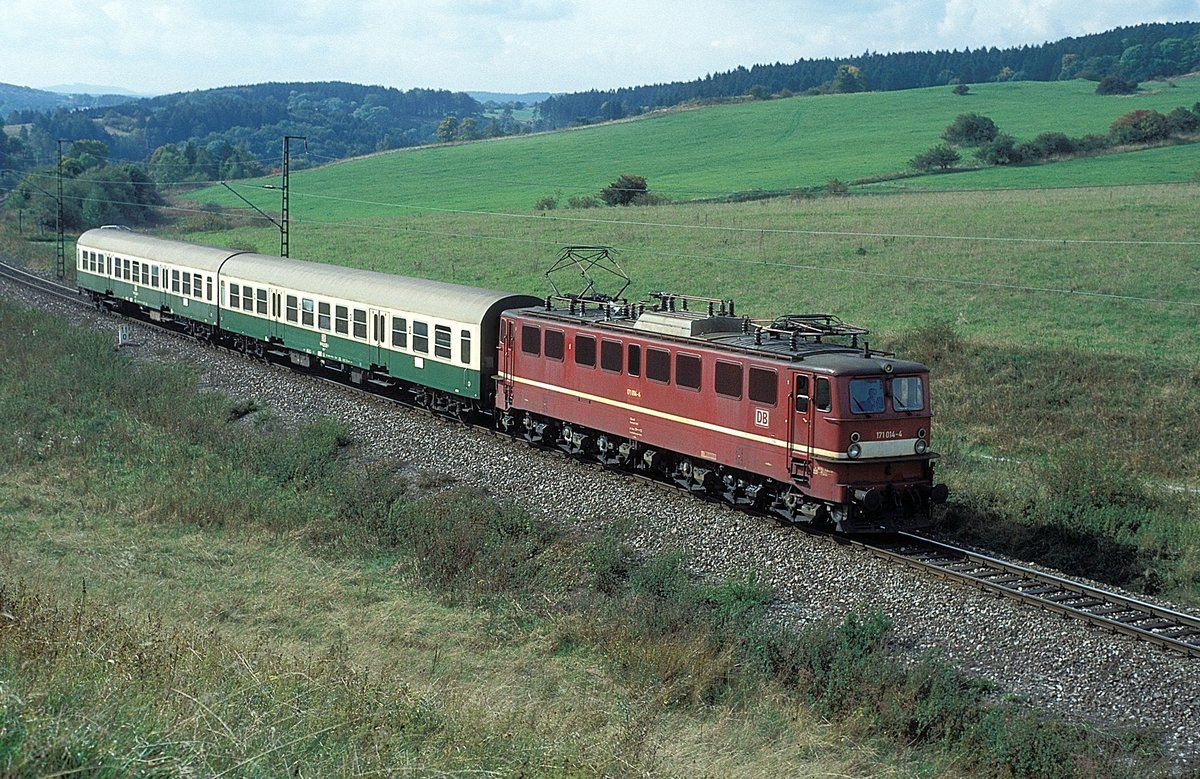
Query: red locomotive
point(790, 415)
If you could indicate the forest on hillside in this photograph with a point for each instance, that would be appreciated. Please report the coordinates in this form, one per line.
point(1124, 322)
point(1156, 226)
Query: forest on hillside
point(1131, 53)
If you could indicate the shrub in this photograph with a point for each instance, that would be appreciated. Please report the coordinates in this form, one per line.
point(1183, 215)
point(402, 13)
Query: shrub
point(1115, 85)
point(624, 190)
point(970, 130)
point(941, 157)
point(1141, 126)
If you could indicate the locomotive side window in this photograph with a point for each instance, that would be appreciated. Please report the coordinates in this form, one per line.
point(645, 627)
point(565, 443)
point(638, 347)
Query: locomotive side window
point(260, 297)
point(399, 332)
point(866, 396)
point(907, 394)
point(764, 386)
point(293, 309)
point(727, 379)
point(323, 319)
point(420, 333)
point(531, 340)
point(585, 350)
point(824, 396)
point(658, 365)
point(342, 320)
point(610, 355)
point(801, 394)
point(360, 324)
point(634, 363)
point(556, 344)
point(687, 371)
point(465, 347)
point(306, 312)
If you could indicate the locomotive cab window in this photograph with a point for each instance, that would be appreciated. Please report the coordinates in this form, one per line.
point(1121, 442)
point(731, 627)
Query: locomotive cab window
point(866, 396)
point(824, 398)
point(687, 371)
point(764, 386)
point(556, 345)
point(907, 394)
point(585, 350)
point(531, 340)
point(727, 379)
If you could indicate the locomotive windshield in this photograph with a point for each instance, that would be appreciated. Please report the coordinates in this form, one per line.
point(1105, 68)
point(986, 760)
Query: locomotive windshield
point(866, 396)
point(907, 394)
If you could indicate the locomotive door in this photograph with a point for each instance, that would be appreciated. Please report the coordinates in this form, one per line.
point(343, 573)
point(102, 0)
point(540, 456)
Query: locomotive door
point(800, 439)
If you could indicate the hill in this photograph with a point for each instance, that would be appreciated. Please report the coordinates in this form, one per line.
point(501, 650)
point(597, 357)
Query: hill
point(17, 98)
point(748, 148)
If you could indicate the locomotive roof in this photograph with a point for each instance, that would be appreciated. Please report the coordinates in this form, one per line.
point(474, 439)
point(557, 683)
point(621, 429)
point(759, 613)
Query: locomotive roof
point(436, 299)
point(742, 335)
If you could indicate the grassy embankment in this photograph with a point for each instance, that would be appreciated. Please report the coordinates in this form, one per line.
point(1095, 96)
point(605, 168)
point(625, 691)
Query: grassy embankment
point(186, 587)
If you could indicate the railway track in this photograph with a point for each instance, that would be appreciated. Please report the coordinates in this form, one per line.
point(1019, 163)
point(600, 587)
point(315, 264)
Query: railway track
point(1108, 610)
point(1077, 600)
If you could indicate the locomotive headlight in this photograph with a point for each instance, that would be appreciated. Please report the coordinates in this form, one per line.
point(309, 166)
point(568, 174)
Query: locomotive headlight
point(854, 451)
point(921, 447)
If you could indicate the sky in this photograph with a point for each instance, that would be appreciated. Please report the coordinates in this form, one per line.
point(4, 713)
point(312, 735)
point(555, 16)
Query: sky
point(509, 46)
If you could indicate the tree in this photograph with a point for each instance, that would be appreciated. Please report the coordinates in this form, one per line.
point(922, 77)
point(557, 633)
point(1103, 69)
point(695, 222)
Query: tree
point(447, 129)
point(849, 78)
point(1183, 122)
point(941, 157)
point(625, 190)
point(970, 130)
point(1115, 85)
point(760, 92)
point(1001, 150)
point(1141, 126)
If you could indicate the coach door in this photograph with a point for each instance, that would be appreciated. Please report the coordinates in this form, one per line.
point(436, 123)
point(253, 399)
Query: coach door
point(378, 337)
point(801, 435)
point(275, 313)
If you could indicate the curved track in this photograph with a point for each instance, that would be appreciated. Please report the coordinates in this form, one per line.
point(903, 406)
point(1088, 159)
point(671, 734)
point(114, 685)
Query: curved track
point(1111, 611)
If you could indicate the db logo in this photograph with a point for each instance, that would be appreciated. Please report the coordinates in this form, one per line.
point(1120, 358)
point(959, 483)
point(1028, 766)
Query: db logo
point(762, 417)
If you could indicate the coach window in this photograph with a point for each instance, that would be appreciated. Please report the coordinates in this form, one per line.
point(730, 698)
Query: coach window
point(727, 379)
point(235, 295)
point(341, 319)
point(187, 284)
point(109, 261)
point(137, 272)
point(175, 281)
point(323, 320)
point(633, 365)
point(293, 309)
point(824, 396)
point(763, 386)
point(208, 288)
point(556, 345)
point(465, 347)
point(154, 276)
point(248, 299)
point(399, 332)
point(360, 324)
point(126, 269)
point(658, 365)
point(441, 341)
point(306, 311)
point(585, 350)
point(610, 355)
point(802, 394)
point(687, 371)
point(531, 340)
point(146, 274)
point(260, 299)
point(420, 339)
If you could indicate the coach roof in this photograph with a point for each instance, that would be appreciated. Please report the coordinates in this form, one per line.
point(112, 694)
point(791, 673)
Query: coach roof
point(436, 299)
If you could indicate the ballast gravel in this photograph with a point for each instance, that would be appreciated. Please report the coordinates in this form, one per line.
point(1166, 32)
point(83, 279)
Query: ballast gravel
point(1082, 672)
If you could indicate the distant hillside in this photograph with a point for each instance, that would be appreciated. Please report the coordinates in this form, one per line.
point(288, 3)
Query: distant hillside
point(338, 119)
point(1133, 53)
point(16, 98)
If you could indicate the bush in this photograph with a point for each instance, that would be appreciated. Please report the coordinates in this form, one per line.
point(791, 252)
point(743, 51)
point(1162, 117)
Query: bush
point(1141, 126)
point(970, 130)
point(624, 191)
point(1114, 85)
point(941, 157)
